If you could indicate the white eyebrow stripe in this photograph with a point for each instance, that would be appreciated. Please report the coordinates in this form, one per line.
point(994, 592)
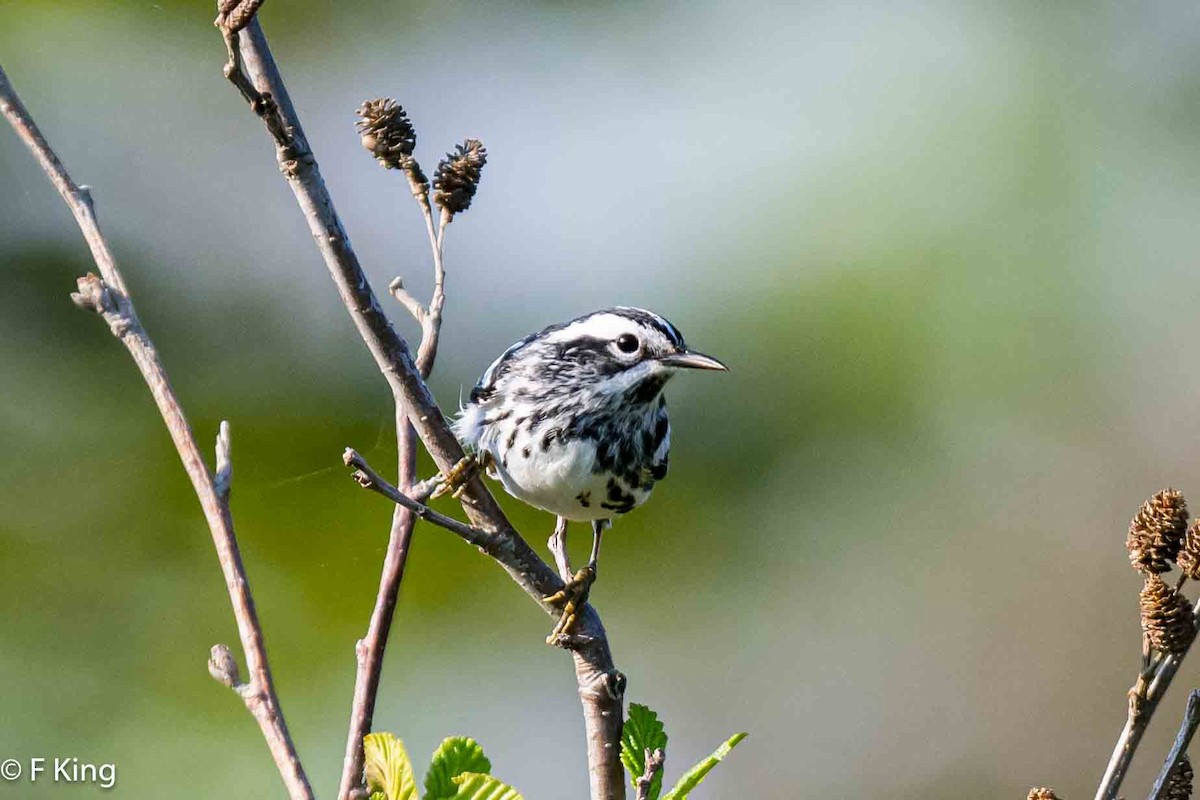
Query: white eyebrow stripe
point(601, 326)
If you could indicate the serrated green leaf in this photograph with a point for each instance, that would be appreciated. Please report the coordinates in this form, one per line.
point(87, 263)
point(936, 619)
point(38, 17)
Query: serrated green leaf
point(474, 786)
point(696, 774)
point(388, 769)
point(455, 755)
point(643, 731)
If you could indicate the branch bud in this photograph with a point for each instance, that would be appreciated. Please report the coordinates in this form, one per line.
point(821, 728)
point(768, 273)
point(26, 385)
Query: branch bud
point(223, 478)
point(93, 294)
point(223, 667)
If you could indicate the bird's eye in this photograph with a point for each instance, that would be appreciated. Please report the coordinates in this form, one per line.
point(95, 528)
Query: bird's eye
point(627, 343)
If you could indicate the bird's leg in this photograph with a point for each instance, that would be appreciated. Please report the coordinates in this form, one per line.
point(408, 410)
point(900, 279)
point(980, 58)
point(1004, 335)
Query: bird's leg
point(575, 593)
point(455, 479)
point(558, 546)
point(598, 528)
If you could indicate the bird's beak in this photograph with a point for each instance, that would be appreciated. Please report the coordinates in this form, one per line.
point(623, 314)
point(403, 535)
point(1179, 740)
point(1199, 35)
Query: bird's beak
point(689, 359)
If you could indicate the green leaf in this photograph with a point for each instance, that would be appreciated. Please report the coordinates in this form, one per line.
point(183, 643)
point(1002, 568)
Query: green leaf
point(378, 796)
point(388, 769)
point(454, 756)
point(642, 732)
point(474, 786)
point(696, 774)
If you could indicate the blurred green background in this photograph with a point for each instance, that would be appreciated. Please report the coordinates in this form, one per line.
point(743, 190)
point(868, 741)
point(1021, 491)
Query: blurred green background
point(949, 250)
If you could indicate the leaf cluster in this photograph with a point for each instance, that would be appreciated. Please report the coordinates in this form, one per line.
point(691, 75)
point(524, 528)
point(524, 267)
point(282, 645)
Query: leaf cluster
point(458, 770)
point(643, 734)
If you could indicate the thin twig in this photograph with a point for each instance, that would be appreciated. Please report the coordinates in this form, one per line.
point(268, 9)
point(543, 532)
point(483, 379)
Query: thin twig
point(601, 687)
point(654, 765)
point(108, 296)
point(369, 651)
point(397, 290)
point(431, 322)
point(370, 479)
point(1187, 729)
point(428, 317)
point(1144, 697)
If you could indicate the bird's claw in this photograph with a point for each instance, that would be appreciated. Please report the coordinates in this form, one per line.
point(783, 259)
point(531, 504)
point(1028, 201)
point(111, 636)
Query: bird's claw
point(455, 479)
point(571, 597)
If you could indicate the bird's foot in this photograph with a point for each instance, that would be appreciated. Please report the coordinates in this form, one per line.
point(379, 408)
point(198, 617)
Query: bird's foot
point(571, 597)
point(455, 479)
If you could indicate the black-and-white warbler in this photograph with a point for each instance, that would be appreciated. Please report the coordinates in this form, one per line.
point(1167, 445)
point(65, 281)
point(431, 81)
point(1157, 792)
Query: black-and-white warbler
point(572, 420)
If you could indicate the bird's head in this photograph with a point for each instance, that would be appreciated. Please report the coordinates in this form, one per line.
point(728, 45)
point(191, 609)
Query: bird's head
point(623, 353)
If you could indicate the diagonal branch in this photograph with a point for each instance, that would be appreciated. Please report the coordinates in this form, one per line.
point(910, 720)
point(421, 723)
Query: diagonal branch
point(1152, 683)
point(370, 649)
point(107, 295)
point(1187, 729)
point(370, 479)
point(488, 542)
point(601, 686)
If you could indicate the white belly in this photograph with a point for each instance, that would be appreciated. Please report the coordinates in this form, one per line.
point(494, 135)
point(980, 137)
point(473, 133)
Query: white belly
point(558, 477)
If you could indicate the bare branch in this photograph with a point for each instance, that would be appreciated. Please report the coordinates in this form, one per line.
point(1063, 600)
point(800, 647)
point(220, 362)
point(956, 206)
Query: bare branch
point(431, 321)
point(601, 686)
point(396, 287)
point(370, 650)
point(106, 294)
point(654, 765)
point(1187, 729)
point(370, 479)
point(1152, 683)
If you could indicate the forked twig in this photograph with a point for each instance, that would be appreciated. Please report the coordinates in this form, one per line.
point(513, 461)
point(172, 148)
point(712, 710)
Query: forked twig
point(370, 479)
point(370, 649)
point(601, 686)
